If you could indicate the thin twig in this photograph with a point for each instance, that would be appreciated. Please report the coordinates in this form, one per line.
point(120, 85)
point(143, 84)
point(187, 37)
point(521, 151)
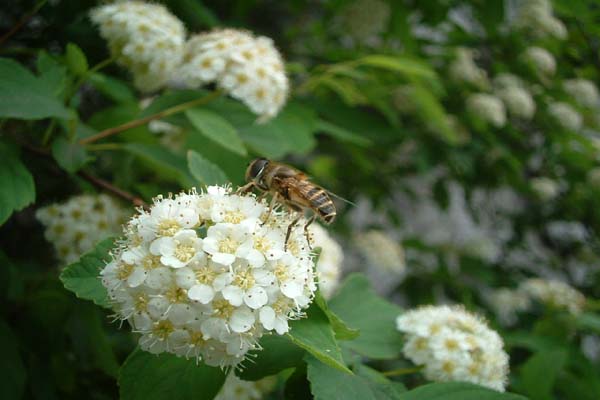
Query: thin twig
point(142, 121)
point(22, 21)
point(109, 187)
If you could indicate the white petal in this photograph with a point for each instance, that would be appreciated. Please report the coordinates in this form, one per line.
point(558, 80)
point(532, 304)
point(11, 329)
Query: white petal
point(281, 325)
point(241, 320)
point(291, 289)
point(185, 277)
point(223, 258)
point(233, 294)
point(137, 277)
point(256, 297)
point(180, 314)
point(267, 317)
point(203, 293)
point(255, 258)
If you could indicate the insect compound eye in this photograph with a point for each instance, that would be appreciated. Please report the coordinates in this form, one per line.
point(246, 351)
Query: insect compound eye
point(257, 167)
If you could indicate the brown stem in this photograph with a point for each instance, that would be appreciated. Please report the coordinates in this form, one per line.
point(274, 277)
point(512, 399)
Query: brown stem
point(109, 187)
point(22, 21)
point(142, 121)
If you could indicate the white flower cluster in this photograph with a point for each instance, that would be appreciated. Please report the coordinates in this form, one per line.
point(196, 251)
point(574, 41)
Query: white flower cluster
point(554, 293)
point(506, 303)
point(74, 227)
point(567, 232)
point(516, 98)
point(364, 20)
point(384, 259)
point(566, 116)
point(541, 60)
point(584, 92)
point(204, 275)
point(145, 38)
point(487, 107)
point(235, 388)
point(545, 188)
point(329, 265)
point(454, 345)
point(479, 226)
point(249, 68)
point(536, 16)
point(464, 69)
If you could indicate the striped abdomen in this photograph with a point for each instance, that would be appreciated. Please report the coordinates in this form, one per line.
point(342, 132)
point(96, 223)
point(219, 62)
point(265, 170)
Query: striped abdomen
point(320, 201)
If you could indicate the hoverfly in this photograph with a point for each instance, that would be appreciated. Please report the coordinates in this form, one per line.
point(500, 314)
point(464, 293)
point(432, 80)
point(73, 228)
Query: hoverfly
point(292, 188)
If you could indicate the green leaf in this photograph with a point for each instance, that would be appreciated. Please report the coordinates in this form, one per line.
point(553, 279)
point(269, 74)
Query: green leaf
point(292, 131)
point(12, 371)
point(216, 128)
point(165, 163)
point(278, 353)
point(70, 156)
point(328, 383)
point(341, 133)
point(589, 322)
point(205, 171)
point(146, 376)
point(341, 330)
point(52, 73)
point(539, 373)
point(18, 189)
point(24, 96)
point(456, 391)
point(315, 335)
point(433, 115)
point(76, 59)
point(354, 303)
point(111, 87)
point(403, 65)
point(83, 276)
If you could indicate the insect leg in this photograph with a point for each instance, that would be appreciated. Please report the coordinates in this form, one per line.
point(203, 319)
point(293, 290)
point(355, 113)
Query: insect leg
point(246, 188)
point(306, 233)
point(273, 200)
point(289, 230)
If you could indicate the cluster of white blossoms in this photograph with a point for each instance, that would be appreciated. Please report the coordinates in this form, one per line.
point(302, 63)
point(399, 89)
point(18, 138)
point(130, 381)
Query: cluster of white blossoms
point(204, 275)
point(75, 226)
point(541, 60)
point(566, 115)
point(247, 67)
point(516, 98)
point(145, 38)
point(464, 69)
point(554, 293)
point(506, 303)
point(545, 188)
point(454, 345)
point(536, 17)
point(235, 388)
point(566, 232)
point(329, 265)
point(364, 20)
point(384, 259)
point(583, 92)
point(487, 107)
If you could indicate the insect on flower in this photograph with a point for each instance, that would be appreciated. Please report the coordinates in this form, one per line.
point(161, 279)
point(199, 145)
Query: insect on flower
point(290, 187)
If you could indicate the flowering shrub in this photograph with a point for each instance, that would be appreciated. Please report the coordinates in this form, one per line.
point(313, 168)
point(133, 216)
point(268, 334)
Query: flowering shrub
point(464, 263)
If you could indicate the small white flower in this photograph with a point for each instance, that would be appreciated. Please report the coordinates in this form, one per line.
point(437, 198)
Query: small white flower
point(331, 257)
point(236, 389)
point(583, 92)
point(545, 188)
point(454, 345)
point(178, 250)
point(487, 107)
point(541, 59)
point(536, 17)
point(566, 116)
point(226, 242)
point(464, 69)
point(518, 101)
